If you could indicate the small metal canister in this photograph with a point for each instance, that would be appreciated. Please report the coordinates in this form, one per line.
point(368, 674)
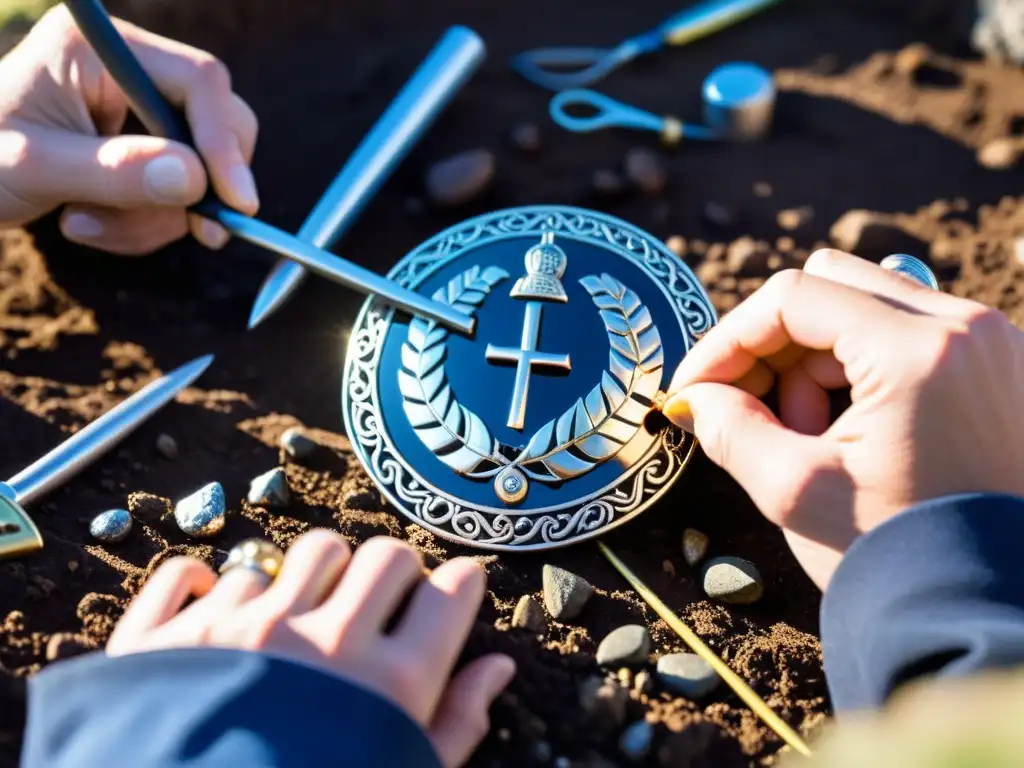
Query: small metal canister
point(739, 101)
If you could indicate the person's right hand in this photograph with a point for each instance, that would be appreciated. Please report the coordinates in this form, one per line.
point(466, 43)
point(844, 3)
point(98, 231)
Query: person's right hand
point(937, 386)
point(331, 609)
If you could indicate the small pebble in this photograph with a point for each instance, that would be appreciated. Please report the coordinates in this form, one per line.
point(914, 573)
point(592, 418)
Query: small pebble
point(167, 447)
point(526, 137)
point(667, 567)
point(295, 444)
point(747, 257)
point(624, 676)
point(202, 513)
point(529, 615)
point(460, 178)
point(606, 182)
point(504, 734)
point(565, 593)
point(626, 646)
point(604, 701)
point(645, 170)
point(111, 526)
point(541, 751)
point(270, 489)
point(695, 546)
point(719, 215)
point(733, 580)
point(676, 244)
point(999, 154)
point(635, 741)
point(687, 674)
point(643, 683)
point(794, 218)
point(763, 189)
point(871, 235)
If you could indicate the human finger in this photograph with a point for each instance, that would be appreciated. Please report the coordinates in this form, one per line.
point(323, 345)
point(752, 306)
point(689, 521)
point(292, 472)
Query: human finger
point(311, 570)
point(803, 404)
point(461, 721)
point(440, 615)
point(381, 574)
point(123, 232)
point(161, 599)
point(793, 308)
point(773, 464)
point(199, 83)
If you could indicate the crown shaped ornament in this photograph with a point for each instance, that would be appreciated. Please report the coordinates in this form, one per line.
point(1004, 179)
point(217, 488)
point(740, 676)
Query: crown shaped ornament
point(545, 266)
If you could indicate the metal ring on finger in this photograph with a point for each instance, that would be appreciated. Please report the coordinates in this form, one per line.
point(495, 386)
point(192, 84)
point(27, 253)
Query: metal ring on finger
point(255, 555)
point(912, 268)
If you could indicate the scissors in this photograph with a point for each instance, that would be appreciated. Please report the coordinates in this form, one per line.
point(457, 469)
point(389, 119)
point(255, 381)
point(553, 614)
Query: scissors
point(18, 533)
point(593, 64)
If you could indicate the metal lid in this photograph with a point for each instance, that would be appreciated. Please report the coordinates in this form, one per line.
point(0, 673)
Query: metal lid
point(738, 85)
point(539, 430)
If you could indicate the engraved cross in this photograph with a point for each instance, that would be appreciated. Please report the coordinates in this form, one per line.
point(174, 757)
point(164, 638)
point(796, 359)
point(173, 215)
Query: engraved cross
point(526, 357)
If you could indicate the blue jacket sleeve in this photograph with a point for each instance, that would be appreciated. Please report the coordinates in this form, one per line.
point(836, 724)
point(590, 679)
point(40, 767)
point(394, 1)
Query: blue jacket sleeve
point(211, 707)
point(936, 591)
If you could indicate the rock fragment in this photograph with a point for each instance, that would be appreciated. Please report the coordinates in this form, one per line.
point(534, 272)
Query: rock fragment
point(460, 178)
point(270, 489)
point(695, 546)
point(565, 593)
point(167, 447)
point(645, 169)
point(733, 580)
point(202, 513)
point(626, 646)
point(296, 445)
point(687, 674)
point(111, 526)
point(529, 615)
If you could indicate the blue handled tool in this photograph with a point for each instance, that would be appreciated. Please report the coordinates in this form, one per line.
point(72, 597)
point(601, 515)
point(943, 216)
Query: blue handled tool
point(593, 64)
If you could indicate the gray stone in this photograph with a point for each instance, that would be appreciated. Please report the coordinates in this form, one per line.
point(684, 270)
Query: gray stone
point(565, 593)
point(687, 674)
point(604, 701)
point(733, 580)
point(529, 615)
point(643, 683)
point(202, 513)
point(111, 526)
point(695, 546)
point(296, 444)
point(626, 646)
point(270, 489)
point(167, 447)
point(526, 137)
point(460, 178)
point(646, 170)
point(635, 741)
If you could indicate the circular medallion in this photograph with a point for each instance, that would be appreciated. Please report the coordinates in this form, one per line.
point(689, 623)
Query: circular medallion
point(542, 429)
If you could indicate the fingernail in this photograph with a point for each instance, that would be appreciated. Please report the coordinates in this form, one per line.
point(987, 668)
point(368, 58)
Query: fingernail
point(677, 410)
point(166, 180)
point(82, 226)
point(213, 235)
point(501, 675)
point(244, 186)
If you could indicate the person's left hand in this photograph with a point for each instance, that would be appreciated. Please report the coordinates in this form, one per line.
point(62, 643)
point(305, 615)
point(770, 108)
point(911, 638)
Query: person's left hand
point(60, 113)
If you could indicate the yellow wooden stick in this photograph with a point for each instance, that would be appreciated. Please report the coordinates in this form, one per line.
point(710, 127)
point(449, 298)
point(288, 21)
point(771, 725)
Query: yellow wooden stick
point(744, 691)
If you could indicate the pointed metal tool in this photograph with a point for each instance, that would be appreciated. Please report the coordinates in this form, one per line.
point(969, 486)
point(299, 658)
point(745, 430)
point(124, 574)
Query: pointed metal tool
point(18, 533)
point(161, 119)
point(434, 84)
point(593, 64)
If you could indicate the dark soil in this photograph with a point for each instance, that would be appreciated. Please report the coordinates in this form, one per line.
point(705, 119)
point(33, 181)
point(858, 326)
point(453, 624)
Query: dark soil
point(858, 128)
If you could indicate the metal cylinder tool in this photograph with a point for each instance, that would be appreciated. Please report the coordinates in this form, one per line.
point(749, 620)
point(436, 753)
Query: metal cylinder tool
point(161, 119)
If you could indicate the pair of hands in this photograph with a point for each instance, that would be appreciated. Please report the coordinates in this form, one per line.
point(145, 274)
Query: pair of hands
point(932, 379)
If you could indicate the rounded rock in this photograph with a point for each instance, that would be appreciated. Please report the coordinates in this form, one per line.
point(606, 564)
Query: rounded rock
point(695, 546)
point(529, 615)
point(270, 489)
point(646, 170)
point(635, 741)
point(167, 447)
point(295, 444)
point(111, 526)
point(202, 513)
point(626, 646)
point(733, 580)
point(460, 178)
point(565, 593)
point(526, 137)
point(687, 674)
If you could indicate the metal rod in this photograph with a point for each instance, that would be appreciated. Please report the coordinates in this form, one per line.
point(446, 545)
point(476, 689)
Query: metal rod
point(434, 84)
point(162, 120)
point(92, 441)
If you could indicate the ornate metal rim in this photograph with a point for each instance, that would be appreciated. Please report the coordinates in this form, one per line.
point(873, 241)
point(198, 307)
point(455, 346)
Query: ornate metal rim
point(580, 519)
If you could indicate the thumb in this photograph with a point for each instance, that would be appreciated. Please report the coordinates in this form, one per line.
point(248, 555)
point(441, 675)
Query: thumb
point(461, 721)
point(775, 465)
point(117, 172)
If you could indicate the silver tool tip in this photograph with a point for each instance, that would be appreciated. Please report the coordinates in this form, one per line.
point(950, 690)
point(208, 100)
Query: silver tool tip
point(278, 287)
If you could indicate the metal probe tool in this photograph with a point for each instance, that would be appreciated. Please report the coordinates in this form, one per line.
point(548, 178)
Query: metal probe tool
point(161, 119)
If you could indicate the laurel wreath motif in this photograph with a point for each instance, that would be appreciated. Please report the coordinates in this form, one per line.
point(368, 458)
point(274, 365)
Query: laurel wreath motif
point(593, 430)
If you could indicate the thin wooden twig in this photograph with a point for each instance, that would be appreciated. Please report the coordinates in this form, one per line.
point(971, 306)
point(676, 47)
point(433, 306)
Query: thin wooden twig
point(734, 681)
